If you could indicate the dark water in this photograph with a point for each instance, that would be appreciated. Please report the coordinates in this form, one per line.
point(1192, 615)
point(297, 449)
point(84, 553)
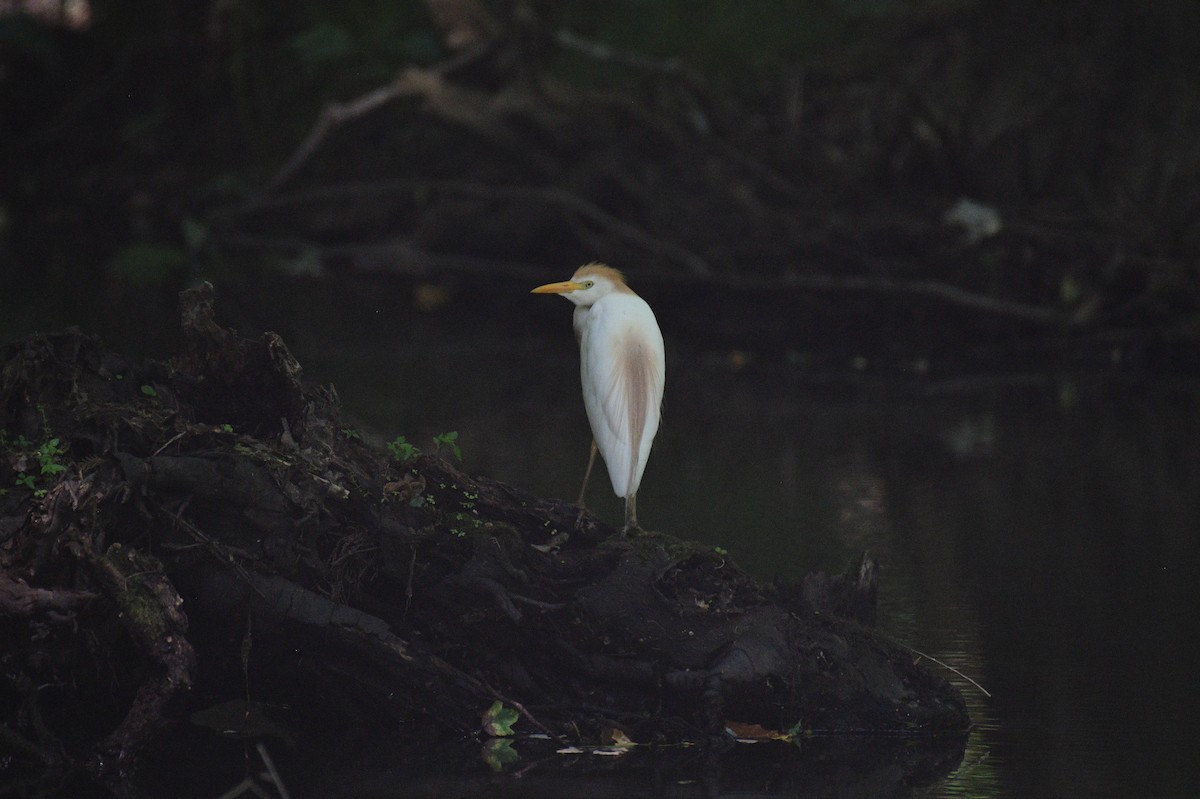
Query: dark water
point(1036, 532)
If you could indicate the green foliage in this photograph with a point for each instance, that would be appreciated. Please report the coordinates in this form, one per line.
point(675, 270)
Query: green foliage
point(402, 450)
point(47, 456)
point(149, 391)
point(450, 441)
point(498, 720)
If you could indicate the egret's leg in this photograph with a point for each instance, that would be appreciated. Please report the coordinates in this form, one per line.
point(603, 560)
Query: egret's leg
point(587, 475)
point(630, 514)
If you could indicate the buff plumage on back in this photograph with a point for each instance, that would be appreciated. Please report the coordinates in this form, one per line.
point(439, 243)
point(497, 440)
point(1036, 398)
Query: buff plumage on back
point(622, 351)
point(639, 370)
point(623, 369)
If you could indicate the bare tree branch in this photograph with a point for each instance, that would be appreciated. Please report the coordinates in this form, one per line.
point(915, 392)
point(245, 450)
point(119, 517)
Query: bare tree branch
point(411, 83)
point(404, 258)
point(560, 198)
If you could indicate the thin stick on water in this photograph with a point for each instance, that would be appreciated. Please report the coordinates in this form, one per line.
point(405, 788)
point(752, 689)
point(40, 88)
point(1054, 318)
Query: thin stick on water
point(948, 667)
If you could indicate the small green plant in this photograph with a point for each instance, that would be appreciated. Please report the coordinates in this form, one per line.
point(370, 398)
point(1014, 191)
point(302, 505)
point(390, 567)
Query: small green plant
point(402, 450)
point(226, 428)
point(498, 720)
point(48, 455)
point(720, 551)
point(149, 391)
point(450, 441)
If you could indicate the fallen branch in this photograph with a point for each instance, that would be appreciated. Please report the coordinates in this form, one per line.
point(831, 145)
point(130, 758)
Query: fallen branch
point(21, 600)
point(406, 259)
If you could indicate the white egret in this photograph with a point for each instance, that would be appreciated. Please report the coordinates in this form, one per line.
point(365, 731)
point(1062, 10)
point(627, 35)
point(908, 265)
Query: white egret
point(623, 369)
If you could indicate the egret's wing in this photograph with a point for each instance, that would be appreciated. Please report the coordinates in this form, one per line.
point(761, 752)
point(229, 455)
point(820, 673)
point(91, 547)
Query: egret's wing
point(623, 372)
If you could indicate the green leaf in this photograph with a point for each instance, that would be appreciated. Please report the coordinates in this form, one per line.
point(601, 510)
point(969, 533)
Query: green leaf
point(449, 440)
point(402, 450)
point(498, 720)
point(149, 391)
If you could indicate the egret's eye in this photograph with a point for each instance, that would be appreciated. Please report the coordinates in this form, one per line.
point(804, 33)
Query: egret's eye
point(587, 284)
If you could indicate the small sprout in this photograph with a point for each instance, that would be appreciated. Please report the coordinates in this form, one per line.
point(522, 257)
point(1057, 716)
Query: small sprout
point(226, 428)
point(48, 455)
point(149, 391)
point(402, 450)
point(350, 432)
point(25, 480)
point(450, 440)
point(721, 551)
point(498, 720)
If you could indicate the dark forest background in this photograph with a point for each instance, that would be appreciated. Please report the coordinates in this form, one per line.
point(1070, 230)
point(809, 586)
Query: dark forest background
point(795, 156)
